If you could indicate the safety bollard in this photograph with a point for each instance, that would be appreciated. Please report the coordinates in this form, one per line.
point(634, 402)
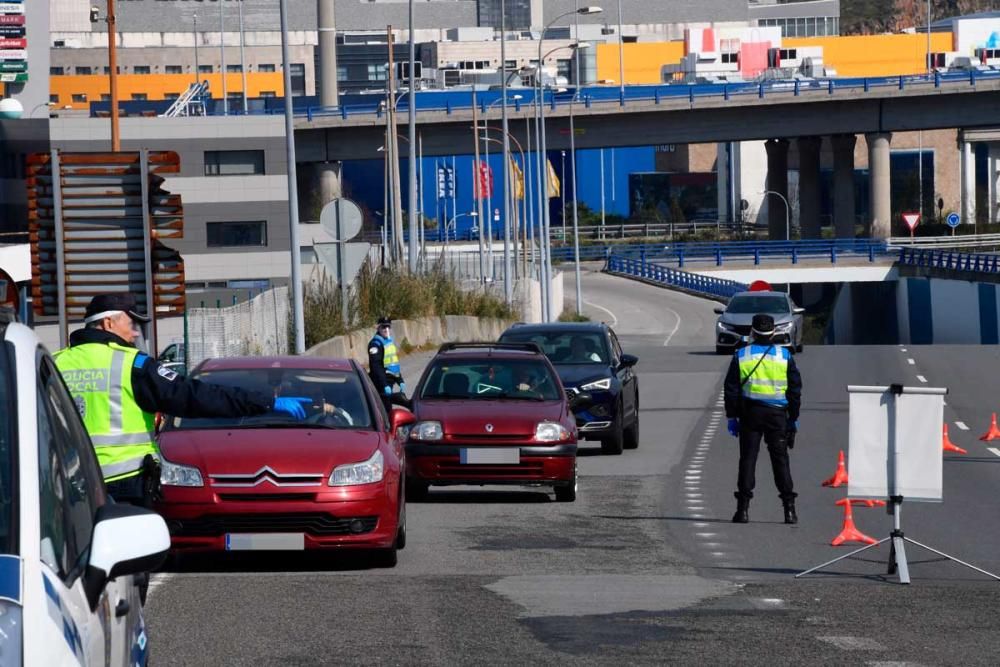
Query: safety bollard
point(756, 256)
point(901, 82)
point(725, 91)
point(718, 256)
point(867, 85)
point(343, 112)
point(833, 254)
point(796, 88)
point(795, 255)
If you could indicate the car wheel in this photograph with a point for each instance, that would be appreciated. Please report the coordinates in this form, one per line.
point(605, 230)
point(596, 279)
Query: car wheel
point(614, 443)
point(401, 531)
point(566, 493)
point(721, 350)
point(386, 557)
point(416, 490)
point(632, 435)
point(799, 348)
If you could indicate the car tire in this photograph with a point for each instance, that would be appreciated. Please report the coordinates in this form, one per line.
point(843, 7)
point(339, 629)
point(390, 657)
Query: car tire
point(614, 443)
point(416, 490)
point(721, 350)
point(386, 558)
point(799, 348)
point(566, 493)
point(401, 531)
point(632, 435)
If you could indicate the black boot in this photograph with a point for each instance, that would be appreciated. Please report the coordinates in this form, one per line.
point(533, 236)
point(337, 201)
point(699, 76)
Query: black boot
point(790, 515)
point(742, 507)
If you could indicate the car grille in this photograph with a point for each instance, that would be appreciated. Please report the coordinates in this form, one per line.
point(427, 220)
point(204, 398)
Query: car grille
point(741, 329)
point(459, 470)
point(266, 497)
point(512, 439)
point(313, 523)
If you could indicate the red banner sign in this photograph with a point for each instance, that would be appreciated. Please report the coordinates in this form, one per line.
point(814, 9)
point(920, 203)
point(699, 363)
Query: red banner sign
point(484, 183)
point(13, 43)
point(11, 19)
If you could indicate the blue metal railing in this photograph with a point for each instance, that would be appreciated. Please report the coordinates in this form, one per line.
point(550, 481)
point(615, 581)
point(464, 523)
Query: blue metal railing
point(947, 259)
point(640, 268)
point(718, 252)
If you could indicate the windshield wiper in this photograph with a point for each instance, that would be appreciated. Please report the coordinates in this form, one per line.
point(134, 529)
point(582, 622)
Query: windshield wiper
point(509, 396)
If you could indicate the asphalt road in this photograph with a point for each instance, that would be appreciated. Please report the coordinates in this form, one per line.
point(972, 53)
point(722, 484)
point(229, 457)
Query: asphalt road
point(644, 567)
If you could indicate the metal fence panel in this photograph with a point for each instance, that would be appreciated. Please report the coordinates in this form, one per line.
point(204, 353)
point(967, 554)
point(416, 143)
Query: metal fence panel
point(258, 327)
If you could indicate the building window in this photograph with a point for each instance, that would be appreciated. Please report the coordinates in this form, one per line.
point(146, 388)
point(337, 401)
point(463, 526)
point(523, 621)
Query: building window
point(140, 69)
point(730, 58)
point(298, 76)
point(234, 163)
point(56, 71)
point(234, 68)
point(268, 93)
point(139, 97)
point(80, 70)
point(54, 99)
point(341, 73)
point(376, 72)
point(564, 68)
point(171, 96)
point(173, 69)
point(236, 234)
point(105, 97)
point(265, 68)
point(204, 69)
point(79, 98)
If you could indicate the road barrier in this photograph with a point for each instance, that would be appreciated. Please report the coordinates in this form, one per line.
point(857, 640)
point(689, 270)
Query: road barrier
point(948, 259)
point(693, 282)
point(757, 251)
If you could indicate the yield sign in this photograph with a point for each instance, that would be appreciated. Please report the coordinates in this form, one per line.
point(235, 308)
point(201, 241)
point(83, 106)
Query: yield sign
point(911, 220)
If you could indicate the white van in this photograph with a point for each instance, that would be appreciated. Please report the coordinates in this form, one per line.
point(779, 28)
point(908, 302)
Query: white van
point(68, 554)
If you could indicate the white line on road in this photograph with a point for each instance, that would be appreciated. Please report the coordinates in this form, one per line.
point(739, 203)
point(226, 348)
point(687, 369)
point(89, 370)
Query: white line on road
point(994, 450)
point(922, 379)
point(911, 362)
point(902, 349)
point(962, 426)
point(676, 326)
point(614, 318)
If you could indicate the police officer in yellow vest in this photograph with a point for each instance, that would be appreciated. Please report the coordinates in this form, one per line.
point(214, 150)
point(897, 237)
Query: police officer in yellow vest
point(383, 364)
point(763, 395)
point(118, 390)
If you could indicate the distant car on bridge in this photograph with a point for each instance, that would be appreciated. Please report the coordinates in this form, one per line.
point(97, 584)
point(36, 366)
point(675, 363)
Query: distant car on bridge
point(732, 330)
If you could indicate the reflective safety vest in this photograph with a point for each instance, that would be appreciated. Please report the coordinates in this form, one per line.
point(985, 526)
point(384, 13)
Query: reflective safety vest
point(390, 356)
point(99, 377)
point(769, 382)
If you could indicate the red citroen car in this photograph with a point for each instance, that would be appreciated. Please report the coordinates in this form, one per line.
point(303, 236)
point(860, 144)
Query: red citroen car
point(491, 413)
point(270, 482)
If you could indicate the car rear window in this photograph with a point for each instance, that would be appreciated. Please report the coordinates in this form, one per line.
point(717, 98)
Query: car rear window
point(490, 379)
point(8, 441)
point(751, 305)
point(565, 347)
point(332, 399)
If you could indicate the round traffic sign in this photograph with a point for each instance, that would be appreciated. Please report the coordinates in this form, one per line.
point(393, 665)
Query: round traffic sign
point(953, 219)
point(341, 218)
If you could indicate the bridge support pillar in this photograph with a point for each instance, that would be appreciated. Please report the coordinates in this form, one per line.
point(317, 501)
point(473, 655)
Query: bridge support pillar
point(809, 223)
point(777, 181)
point(993, 180)
point(328, 177)
point(879, 185)
point(968, 169)
point(843, 185)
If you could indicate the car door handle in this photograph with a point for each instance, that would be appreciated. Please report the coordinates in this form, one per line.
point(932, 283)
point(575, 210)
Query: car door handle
point(122, 608)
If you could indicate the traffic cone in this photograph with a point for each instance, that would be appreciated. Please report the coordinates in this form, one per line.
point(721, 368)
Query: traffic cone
point(863, 502)
point(948, 446)
point(994, 432)
point(839, 477)
point(850, 532)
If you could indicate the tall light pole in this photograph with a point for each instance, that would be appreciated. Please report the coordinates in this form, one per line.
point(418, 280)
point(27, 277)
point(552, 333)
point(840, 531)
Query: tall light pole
point(243, 60)
point(576, 222)
point(411, 209)
point(116, 144)
point(222, 51)
point(547, 264)
point(298, 318)
point(788, 209)
point(197, 67)
point(621, 52)
point(508, 273)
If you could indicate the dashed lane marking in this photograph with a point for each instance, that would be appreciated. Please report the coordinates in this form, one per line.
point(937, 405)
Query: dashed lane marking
point(911, 362)
point(994, 451)
point(853, 643)
point(676, 326)
point(922, 379)
point(962, 426)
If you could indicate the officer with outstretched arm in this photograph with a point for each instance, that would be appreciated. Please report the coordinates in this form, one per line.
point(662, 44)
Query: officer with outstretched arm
point(383, 365)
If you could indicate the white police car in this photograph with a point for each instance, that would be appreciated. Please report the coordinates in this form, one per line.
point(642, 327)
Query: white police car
point(68, 555)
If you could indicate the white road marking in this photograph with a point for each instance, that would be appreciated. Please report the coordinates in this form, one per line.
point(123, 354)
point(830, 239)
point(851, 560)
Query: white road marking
point(157, 580)
point(706, 534)
point(853, 643)
point(911, 362)
point(614, 318)
point(676, 326)
point(699, 524)
point(994, 450)
point(962, 426)
point(902, 349)
point(922, 379)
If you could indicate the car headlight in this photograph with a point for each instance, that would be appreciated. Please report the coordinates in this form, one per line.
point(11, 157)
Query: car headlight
point(173, 474)
point(426, 431)
point(722, 326)
point(604, 384)
point(550, 432)
point(784, 327)
point(352, 474)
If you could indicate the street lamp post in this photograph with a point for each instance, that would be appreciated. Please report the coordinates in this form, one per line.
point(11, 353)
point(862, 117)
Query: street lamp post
point(222, 53)
point(197, 68)
point(621, 53)
point(298, 317)
point(508, 273)
point(411, 153)
point(243, 61)
point(788, 228)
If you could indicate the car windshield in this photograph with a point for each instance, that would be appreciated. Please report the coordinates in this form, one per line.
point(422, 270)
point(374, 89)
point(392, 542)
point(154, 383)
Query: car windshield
point(8, 440)
point(565, 347)
point(513, 379)
point(751, 305)
point(332, 399)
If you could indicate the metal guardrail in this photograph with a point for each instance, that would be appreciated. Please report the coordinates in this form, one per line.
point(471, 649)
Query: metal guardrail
point(959, 241)
point(757, 251)
point(450, 101)
point(693, 282)
point(947, 259)
point(641, 230)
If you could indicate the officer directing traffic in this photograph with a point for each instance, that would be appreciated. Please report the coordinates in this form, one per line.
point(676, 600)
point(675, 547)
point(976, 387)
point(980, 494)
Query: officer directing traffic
point(118, 390)
point(763, 394)
point(383, 362)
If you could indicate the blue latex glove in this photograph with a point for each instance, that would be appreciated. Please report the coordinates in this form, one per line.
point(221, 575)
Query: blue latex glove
point(734, 427)
point(387, 390)
point(402, 387)
point(292, 405)
point(794, 426)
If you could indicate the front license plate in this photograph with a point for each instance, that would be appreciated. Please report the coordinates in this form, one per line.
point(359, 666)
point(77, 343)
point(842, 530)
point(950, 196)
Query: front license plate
point(488, 455)
point(265, 541)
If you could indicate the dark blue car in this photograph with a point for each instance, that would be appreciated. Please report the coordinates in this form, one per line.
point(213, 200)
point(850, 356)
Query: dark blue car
point(589, 359)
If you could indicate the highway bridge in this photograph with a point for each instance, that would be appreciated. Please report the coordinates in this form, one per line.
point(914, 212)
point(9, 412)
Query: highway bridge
point(645, 567)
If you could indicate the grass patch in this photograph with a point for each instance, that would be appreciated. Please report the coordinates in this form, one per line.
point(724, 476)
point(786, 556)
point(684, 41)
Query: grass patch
point(571, 316)
point(397, 293)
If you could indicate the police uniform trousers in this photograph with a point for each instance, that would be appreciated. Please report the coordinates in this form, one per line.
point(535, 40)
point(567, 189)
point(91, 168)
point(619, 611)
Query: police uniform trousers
point(770, 423)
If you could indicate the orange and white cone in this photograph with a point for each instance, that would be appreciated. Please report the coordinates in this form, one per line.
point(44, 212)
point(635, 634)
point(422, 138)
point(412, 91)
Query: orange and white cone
point(948, 446)
point(994, 432)
point(850, 532)
point(839, 477)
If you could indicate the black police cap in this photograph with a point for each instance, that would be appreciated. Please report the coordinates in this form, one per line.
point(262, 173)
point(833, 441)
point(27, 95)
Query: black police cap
point(109, 303)
point(384, 321)
point(762, 324)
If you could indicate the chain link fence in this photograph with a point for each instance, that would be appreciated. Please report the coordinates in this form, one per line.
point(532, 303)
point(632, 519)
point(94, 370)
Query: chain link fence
point(258, 327)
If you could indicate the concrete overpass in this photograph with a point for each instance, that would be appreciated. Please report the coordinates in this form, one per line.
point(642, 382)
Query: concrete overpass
point(840, 110)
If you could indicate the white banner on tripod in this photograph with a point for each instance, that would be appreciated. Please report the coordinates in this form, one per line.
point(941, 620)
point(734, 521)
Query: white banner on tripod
point(913, 421)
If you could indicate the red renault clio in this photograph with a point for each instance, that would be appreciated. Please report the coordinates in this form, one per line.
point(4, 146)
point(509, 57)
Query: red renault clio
point(491, 413)
point(269, 482)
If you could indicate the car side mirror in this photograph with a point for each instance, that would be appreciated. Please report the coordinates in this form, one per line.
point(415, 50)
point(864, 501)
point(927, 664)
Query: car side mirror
point(718, 310)
point(798, 311)
point(399, 418)
point(581, 401)
point(127, 540)
point(628, 361)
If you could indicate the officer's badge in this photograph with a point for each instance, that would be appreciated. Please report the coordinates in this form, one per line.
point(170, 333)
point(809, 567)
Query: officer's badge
point(166, 373)
point(81, 406)
point(373, 350)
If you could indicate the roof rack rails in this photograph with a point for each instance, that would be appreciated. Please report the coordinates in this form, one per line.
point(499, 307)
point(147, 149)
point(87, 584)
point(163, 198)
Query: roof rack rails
point(524, 347)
